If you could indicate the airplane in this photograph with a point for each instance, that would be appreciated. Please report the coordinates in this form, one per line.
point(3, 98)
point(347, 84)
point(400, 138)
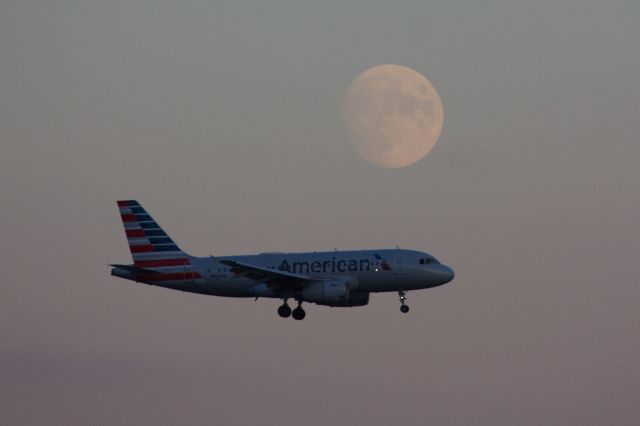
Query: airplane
point(328, 278)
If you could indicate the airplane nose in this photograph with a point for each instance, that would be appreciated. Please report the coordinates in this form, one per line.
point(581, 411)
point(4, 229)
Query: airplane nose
point(443, 273)
point(448, 273)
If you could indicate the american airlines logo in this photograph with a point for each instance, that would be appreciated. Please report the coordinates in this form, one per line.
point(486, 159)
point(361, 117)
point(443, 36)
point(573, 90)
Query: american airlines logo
point(383, 263)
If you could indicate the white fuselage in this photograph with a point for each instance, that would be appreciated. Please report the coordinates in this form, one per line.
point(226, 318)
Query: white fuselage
point(368, 270)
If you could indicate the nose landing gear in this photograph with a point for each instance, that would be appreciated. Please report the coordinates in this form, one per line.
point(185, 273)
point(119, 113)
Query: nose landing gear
point(404, 308)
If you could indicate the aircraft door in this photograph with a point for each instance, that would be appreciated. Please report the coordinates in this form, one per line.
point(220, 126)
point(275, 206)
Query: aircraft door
point(189, 275)
point(399, 263)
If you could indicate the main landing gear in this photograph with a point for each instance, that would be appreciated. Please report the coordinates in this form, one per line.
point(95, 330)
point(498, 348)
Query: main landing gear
point(285, 311)
point(404, 308)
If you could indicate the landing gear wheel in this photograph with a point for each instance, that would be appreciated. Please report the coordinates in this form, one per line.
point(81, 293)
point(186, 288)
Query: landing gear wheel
point(403, 301)
point(284, 311)
point(298, 313)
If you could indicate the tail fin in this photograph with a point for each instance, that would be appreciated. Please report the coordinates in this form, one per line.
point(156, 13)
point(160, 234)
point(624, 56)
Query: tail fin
point(150, 246)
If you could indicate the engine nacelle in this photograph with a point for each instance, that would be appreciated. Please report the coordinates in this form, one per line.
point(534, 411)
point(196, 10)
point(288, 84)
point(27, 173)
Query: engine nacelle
point(334, 292)
point(325, 292)
point(355, 299)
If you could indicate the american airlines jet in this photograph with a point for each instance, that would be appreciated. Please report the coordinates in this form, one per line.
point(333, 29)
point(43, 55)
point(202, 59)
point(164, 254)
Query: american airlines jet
point(331, 278)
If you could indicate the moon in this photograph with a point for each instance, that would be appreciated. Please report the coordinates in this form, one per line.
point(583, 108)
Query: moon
point(393, 115)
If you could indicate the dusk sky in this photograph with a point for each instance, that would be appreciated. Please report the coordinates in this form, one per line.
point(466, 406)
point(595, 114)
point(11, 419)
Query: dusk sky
point(223, 119)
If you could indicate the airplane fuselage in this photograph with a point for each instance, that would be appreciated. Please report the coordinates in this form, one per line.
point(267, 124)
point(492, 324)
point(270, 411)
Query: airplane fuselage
point(371, 271)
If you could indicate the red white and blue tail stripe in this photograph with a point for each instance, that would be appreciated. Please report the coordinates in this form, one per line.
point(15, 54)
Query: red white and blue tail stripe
point(151, 247)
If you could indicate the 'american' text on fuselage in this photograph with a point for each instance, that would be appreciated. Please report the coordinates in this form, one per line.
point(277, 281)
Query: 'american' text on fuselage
point(319, 267)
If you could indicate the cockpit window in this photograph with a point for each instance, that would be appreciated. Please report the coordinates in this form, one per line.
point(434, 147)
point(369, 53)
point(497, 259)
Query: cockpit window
point(428, 261)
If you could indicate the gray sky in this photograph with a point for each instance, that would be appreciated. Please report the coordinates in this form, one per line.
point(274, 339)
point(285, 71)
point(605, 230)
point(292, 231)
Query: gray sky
point(223, 120)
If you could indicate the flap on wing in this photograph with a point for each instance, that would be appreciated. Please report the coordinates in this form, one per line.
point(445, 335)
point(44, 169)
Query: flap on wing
point(260, 273)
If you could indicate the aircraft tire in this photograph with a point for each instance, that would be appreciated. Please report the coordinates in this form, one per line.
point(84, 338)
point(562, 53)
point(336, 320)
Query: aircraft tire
point(284, 311)
point(404, 309)
point(298, 314)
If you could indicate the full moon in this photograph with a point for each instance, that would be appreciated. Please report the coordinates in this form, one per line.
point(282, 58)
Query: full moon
point(393, 115)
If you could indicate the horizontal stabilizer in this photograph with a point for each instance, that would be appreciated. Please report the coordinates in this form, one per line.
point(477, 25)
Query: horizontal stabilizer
point(134, 270)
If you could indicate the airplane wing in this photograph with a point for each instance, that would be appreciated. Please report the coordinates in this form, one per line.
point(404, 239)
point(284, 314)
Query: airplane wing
point(271, 277)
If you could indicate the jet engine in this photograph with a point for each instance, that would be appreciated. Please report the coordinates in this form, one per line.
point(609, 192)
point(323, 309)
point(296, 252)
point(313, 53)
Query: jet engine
point(324, 292)
point(355, 299)
point(334, 292)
